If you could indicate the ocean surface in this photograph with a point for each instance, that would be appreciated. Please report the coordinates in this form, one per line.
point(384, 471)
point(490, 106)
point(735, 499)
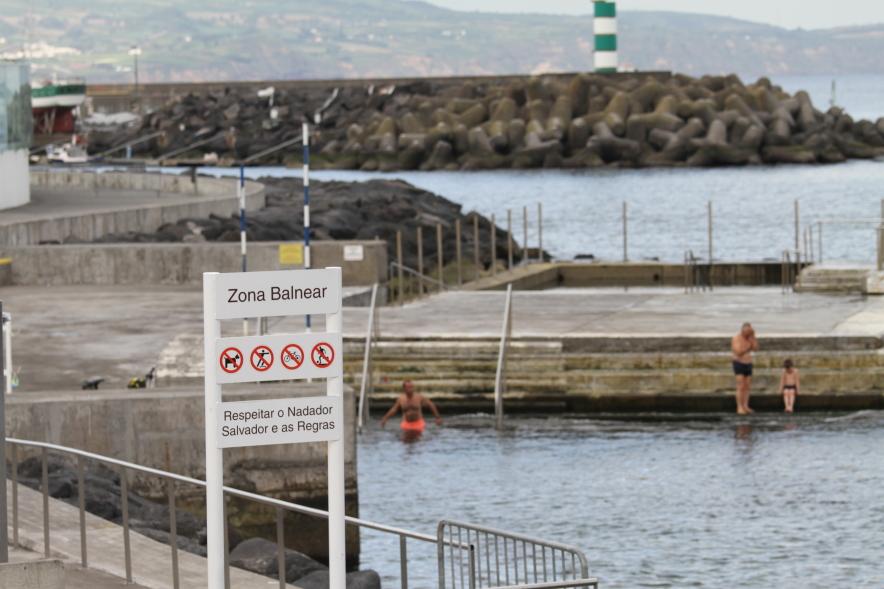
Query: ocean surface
point(667, 210)
point(715, 502)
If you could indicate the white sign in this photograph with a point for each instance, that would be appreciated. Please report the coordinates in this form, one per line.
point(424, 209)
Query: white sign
point(279, 421)
point(278, 357)
point(354, 253)
point(273, 294)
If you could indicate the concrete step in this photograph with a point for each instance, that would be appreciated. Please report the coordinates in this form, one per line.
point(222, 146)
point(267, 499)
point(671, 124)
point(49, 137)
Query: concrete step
point(453, 349)
point(832, 279)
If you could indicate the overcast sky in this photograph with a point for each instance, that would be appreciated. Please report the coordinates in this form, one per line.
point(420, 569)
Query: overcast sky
point(809, 14)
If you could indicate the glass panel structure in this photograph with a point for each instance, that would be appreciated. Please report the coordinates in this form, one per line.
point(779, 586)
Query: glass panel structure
point(16, 123)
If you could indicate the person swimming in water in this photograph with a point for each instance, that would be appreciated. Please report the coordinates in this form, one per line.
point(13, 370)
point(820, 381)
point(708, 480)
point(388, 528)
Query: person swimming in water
point(411, 404)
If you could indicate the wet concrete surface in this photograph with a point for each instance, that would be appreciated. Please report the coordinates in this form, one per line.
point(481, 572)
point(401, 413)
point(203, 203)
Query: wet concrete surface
point(63, 335)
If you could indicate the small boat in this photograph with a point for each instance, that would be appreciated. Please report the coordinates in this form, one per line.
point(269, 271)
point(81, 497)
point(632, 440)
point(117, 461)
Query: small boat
point(69, 153)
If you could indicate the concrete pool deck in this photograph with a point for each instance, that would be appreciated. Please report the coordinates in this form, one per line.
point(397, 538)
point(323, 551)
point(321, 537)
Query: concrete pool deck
point(65, 334)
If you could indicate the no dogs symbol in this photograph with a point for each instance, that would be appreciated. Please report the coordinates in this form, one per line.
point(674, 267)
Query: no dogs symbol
point(322, 355)
point(261, 358)
point(292, 356)
point(231, 360)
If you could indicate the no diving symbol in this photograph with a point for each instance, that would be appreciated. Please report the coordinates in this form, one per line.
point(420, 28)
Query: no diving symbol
point(292, 356)
point(261, 358)
point(231, 360)
point(322, 355)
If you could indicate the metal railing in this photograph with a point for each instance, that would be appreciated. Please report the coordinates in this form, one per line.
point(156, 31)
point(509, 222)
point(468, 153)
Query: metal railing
point(172, 481)
point(371, 336)
point(500, 374)
point(790, 268)
point(130, 143)
point(396, 267)
point(472, 557)
point(694, 279)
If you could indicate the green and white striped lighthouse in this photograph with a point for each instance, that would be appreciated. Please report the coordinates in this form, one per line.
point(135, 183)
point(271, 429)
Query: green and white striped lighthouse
point(605, 30)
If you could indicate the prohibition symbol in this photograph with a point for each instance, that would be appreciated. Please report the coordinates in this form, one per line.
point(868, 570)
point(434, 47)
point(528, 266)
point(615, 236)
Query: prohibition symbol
point(322, 355)
point(292, 356)
point(231, 360)
point(261, 358)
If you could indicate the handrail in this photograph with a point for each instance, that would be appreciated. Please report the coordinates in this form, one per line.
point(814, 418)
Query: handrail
point(135, 141)
point(366, 357)
point(500, 374)
point(269, 150)
point(588, 582)
point(185, 149)
point(423, 277)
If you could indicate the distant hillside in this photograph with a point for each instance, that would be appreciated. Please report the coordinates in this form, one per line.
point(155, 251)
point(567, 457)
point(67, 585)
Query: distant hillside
point(260, 39)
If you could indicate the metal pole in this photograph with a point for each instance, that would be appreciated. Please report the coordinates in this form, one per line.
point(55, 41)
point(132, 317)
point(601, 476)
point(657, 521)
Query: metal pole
point(500, 376)
point(797, 226)
point(625, 233)
point(401, 289)
point(243, 248)
point(420, 261)
point(806, 250)
point(476, 248)
point(709, 221)
point(337, 556)
point(440, 261)
point(214, 456)
point(493, 246)
point(540, 232)
point(880, 247)
point(458, 253)
point(509, 239)
point(366, 357)
point(525, 235)
point(819, 235)
point(810, 241)
point(305, 141)
point(4, 530)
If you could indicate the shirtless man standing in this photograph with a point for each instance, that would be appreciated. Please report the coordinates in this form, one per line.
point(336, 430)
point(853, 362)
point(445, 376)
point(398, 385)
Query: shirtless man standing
point(411, 404)
point(742, 346)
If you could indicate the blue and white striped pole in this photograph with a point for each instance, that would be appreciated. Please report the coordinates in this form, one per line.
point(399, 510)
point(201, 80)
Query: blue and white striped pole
point(241, 189)
point(305, 140)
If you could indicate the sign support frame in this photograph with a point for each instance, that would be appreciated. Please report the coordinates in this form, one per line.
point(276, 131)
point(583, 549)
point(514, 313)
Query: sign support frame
point(215, 513)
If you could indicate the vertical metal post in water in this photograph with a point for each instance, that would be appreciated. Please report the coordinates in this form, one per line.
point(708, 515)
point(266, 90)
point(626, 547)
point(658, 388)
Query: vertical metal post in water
point(540, 232)
point(420, 261)
point(305, 142)
point(625, 233)
point(525, 235)
point(457, 239)
point(709, 223)
point(819, 235)
point(509, 239)
point(440, 261)
point(797, 226)
point(477, 260)
point(4, 530)
point(400, 290)
point(493, 246)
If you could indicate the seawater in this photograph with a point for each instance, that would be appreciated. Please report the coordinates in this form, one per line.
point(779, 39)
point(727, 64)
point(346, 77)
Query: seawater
point(676, 501)
point(752, 208)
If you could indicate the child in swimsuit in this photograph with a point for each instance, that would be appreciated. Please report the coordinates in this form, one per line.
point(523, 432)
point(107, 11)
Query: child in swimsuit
point(789, 383)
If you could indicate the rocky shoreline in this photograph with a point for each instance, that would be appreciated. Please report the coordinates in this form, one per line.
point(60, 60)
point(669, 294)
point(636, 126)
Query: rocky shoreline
point(346, 210)
point(582, 121)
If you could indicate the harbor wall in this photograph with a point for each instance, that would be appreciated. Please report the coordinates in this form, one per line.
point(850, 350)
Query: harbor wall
point(177, 197)
point(180, 263)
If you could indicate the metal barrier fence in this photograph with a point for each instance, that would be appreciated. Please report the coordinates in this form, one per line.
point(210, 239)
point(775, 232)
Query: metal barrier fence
point(172, 482)
point(472, 557)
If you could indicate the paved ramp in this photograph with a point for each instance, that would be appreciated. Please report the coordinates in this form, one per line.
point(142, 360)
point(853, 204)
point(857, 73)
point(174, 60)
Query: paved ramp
point(151, 560)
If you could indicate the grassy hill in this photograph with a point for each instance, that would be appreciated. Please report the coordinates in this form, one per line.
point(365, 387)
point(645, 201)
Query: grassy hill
point(260, 39)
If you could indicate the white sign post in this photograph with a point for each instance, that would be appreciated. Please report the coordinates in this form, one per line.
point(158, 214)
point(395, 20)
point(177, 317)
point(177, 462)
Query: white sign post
point(273, 358)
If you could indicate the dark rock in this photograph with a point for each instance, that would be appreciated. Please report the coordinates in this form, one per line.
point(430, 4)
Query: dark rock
point(260, 556)
point(358, 580)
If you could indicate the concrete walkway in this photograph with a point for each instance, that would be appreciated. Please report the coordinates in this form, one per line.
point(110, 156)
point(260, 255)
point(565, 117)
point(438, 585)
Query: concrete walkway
point(76, 577)
point(63, 335)
point(151, 560)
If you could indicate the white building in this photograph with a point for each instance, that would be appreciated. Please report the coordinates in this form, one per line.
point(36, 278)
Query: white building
point(16, 127)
